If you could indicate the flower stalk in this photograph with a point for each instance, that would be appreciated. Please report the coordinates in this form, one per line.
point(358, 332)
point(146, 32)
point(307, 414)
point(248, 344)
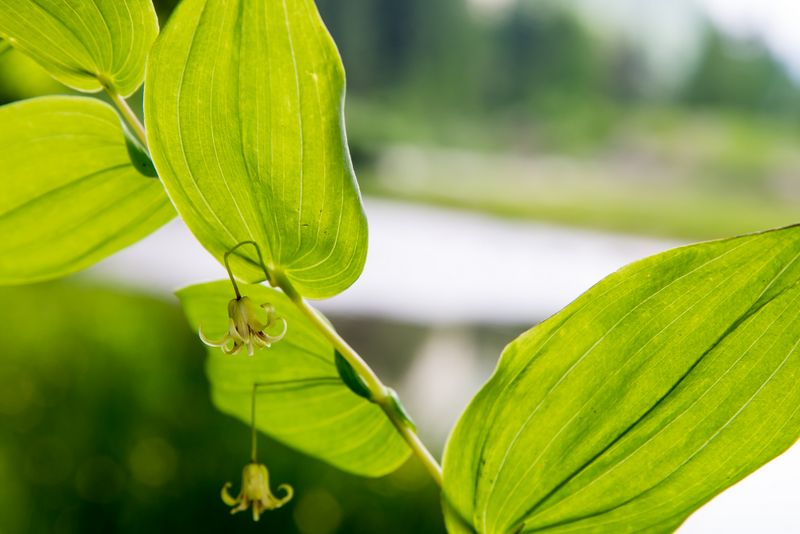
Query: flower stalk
point(255, 490)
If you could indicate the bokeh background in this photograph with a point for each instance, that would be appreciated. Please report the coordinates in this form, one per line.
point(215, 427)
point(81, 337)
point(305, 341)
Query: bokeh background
point(512, 152)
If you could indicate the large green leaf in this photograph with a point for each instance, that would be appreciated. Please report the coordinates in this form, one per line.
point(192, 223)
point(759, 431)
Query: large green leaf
point(83, 43)
point(244, 117)
point(661, 386)
point(304, 402)
point(75, 188)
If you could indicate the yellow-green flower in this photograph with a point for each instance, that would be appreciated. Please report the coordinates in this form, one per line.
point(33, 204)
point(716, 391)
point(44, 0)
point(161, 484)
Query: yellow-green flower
point(255, 491)
point(245, 327)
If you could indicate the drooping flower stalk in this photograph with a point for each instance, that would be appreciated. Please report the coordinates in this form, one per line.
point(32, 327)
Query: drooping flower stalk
point(255, 489)
point(248, 323)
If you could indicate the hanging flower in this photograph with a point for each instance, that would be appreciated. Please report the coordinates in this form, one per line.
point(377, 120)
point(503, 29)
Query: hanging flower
point(246, 329)
point(256, 492)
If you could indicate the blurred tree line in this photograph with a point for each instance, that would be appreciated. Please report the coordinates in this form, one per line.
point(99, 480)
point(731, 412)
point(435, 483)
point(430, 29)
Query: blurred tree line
point(533, 58)
point(447, 57)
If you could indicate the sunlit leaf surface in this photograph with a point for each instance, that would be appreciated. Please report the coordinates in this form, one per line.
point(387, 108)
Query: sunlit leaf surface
point(75, 188)
point(81, 42)
point(660, 387)
point(303, 402)
point(244, 120)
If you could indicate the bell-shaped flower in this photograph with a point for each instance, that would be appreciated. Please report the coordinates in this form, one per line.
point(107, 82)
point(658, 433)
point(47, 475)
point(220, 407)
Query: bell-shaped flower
point(256, 492)
point(248, 326)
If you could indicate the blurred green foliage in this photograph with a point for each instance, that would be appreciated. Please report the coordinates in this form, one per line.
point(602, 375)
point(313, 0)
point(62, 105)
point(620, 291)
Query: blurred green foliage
point(740, 75)
point(106, 426)
point(563, 125)
point(21, 77)
point(534, 62)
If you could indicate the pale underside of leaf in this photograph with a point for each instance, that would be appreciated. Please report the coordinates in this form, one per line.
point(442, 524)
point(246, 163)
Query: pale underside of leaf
point(663, 385)
point(72, 194)
point(301, 401)
point(84, 43)
point(244, 111)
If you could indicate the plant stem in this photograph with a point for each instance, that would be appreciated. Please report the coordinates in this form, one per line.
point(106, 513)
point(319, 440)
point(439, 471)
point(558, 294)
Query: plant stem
point(253, 445)
point(130, 116)
point(379, 392)
point(226, 260)
point(417, 447)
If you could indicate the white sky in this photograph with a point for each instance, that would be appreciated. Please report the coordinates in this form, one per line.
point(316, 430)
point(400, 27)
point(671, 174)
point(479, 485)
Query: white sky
point(776, 22)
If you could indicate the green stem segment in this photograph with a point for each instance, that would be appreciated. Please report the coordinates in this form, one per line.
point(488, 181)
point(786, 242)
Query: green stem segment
point(127, 112)
point(227, 261)
point(253, 444)
point(417, 447)
point(380, 394)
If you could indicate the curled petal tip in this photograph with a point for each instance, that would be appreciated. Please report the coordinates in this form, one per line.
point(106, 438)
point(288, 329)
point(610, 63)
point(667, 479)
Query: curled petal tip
point(278, 337)
point(226, 496)
point(288, 494)
point(212, 342)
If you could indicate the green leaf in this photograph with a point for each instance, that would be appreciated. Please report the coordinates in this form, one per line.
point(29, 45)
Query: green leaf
point(244, 120)
point(303, 403)
point(84, 43)
point(657, 389)
point(75, 188)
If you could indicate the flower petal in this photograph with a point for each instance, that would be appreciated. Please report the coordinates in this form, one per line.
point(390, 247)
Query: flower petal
point(278, 337)
point(234, 349)
point(234, 333)
point(226, 496)
point(212, 342)
point(289, 493)
point(241, 508)
point(261, 340)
